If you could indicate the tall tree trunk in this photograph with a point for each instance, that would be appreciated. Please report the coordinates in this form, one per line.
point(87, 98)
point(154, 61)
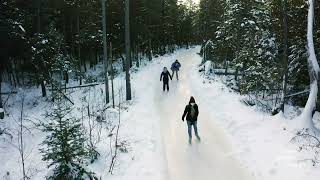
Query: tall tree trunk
point(66, 77)
point(163, 42)
point(12, 74)
point(15, 72)
point(43, 86)
point(285, 54)
point(313, 68)
point(38, 16)
point(97, 56)
point(1, 105)
point(127, 43)
point(21, 141)
point(79, 47)
point(43, 89)
point(150, 51)
point(137, 55)
point(112, 75)
point(206, 22)
point(22, 72)
point(105, 58)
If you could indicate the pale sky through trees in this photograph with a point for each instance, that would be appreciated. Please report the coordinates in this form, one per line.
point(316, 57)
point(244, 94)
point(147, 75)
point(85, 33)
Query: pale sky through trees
point(195, 1)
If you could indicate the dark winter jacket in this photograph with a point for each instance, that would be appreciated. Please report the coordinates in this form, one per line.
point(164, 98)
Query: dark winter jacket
point(187, 112)
point(175, 66)
point(165, 76)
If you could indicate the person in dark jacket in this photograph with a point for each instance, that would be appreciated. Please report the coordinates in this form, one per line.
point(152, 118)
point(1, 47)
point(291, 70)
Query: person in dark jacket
point(191, 113)
point(175, 68)
point(165, 75)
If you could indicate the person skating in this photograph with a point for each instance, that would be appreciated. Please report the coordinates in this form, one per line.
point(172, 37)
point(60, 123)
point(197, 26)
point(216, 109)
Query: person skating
point(165, 75)
point(175, 68)
point(191, 113)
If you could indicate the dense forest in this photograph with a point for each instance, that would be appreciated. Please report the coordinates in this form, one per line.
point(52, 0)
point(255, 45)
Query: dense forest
point(43, 37)
point(259, 47)
point(264, 40)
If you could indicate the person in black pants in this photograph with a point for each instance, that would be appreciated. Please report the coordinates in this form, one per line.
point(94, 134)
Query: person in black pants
point(165, 75)
point(191, 113)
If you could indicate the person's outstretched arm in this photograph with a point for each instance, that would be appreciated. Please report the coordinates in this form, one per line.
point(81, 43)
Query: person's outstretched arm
point(161, 76)
point(184, 113)
point(170, 75)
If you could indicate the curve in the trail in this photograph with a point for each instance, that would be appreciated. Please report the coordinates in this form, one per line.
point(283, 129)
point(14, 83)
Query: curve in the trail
point(206, 160)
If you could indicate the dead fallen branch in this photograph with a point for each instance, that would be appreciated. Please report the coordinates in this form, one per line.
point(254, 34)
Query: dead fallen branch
point(74, 87)
point(8, 93)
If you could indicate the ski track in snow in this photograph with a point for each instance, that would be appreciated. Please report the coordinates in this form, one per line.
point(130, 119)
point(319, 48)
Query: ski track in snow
point(206, 160)
point(237, 142)
point(159, 141)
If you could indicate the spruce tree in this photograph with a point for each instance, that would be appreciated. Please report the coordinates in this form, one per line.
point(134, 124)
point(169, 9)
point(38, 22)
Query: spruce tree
point(64, 146)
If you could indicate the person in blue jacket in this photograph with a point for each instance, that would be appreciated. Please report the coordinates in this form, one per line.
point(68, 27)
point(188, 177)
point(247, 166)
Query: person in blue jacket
point(175, 68)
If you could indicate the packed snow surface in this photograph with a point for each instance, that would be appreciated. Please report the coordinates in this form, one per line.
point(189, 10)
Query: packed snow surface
point(206, 160)
point(237, 141)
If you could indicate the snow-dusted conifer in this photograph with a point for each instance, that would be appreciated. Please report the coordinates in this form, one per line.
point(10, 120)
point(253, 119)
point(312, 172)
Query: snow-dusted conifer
point(64, 146)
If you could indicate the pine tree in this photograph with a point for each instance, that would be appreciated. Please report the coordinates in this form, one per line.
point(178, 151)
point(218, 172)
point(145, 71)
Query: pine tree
point(211, 14)
point(64, 145)
point(246, 40)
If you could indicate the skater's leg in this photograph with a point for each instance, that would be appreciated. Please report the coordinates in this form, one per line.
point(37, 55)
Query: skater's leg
point(172, 73)
point(168, 86)
point(164, 86)
point(177, 75)
point(195, 127)
point(189, 130)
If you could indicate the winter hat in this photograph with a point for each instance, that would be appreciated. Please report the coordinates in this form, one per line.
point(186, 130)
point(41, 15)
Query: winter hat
point(192, 100)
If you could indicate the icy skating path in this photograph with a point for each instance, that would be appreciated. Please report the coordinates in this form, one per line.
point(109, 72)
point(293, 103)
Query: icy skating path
point(206, 160)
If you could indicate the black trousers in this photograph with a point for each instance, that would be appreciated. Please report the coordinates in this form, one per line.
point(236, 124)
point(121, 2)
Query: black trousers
point(165, 84)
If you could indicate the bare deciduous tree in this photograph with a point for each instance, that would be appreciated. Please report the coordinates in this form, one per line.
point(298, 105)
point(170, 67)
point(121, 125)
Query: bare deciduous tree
point(114, 152)
point(21, 142)
point(308, 140)
point(313, 68)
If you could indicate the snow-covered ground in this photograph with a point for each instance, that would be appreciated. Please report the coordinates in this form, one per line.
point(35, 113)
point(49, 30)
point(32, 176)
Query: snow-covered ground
point(238, 142)
point(205, 160)
point(261, 142)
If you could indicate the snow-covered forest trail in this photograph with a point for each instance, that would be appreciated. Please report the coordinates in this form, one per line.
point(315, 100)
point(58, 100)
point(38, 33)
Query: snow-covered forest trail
point(208, 159)
point(238, 142)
